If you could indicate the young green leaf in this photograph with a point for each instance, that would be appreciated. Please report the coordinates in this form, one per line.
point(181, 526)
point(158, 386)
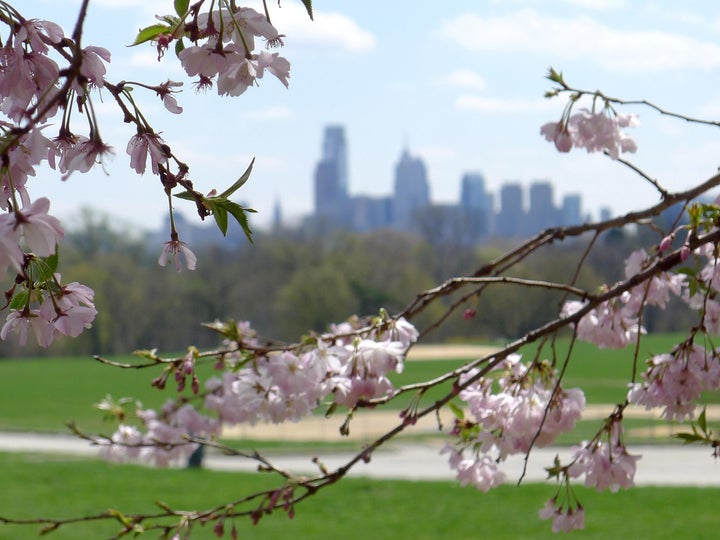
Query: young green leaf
point(187, 195)
point(457, 410)
point(181, 6)
point(308, 7)
point(240, 215)
point(179, 47)
point(221, 218)
point(237, 185)
point(702, 421)
point(19, 301)
point(150, 33)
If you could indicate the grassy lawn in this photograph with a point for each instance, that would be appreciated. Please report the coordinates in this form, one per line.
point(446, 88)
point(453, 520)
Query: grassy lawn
point(44, 394)
point(353, 509)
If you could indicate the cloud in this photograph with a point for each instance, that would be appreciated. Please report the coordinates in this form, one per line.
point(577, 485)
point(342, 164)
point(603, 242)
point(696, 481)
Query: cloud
point(464, 78)
point(595, 5)
point(582, 38)
point(328, 30)
point(437, 153)
point(278, 112)
point(502, 105)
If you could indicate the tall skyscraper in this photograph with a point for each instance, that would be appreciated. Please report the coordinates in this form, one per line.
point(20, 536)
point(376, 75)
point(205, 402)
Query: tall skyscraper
point(542, 213)
point(511, 217)
point(571, 210)
point(331, 178)
point(477, 206)
point(412, 191)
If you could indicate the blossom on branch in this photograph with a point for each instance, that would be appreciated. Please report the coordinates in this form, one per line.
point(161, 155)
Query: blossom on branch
point(593, 131)
point(173, 250)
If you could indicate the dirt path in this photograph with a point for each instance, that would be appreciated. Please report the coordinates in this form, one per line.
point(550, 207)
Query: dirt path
point(369, 425)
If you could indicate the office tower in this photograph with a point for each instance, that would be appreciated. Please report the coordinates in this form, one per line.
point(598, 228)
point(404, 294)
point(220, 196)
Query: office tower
point(511, 217)
point(477, 206)
point(331, 178)
point(542, 213)
point(412, 192)
point(571, 210)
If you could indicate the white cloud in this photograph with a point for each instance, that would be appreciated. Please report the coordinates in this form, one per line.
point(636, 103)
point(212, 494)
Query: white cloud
point(599, 5)
point(710, 110)
point(469, 80)
point(279, 112)
point(596, 5)
point(329, 30)
point(436, 153)
point(502, 105)
point(582, 38)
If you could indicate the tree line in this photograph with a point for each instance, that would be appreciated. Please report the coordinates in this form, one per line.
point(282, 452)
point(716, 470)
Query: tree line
point(288, 283)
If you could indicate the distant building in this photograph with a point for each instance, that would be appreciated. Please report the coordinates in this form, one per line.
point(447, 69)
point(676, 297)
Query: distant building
point(331, 178)
point(477, 206)
point(542, 213)
point(409, 208)
point(571, 210)
point(370, 213)
point(511, 217)
point(412, 191)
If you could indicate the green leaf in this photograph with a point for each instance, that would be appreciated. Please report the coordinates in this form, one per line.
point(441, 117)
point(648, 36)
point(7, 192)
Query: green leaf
point(688, 438)
point(20, 300)
point(457, 410)
point(181, 6)
point(150, 33)
point(554, 76)
point(42, 269)
point(237, 185)
point(240, 215)
point(221, 218)
point(308, 7)
point(702, 421)
point(179, 47)
point(187, 195)
point(52, 261)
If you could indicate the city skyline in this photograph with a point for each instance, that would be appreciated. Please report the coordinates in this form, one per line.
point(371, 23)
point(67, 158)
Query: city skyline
point(473, 218)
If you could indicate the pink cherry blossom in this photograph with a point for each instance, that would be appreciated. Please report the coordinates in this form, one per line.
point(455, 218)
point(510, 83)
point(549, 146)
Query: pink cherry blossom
point(594, 131)
point(92, 67)
point(165, 91)
point(172, 251)
point(21, 322)
point(40, 230)
point(142, 145)
point(10, 252)
point(604, 466)
point(203, 60)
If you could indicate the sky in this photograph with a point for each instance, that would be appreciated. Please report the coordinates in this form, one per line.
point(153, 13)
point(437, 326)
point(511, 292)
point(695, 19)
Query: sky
point(460, 84)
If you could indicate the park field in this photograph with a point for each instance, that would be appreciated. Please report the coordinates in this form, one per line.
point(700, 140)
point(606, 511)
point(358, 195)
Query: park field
point(352, 509)
point(45, 394)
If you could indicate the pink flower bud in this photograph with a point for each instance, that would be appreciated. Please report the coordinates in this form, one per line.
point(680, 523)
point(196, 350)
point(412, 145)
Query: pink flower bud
point(665, 243)
point(469, 314)
point(684, 252)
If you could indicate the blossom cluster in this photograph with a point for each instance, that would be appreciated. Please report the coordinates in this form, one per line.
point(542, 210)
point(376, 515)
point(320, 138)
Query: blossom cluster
point(615, 323)
point(605, 465)
point(342, 368)
point(223, 49)
point(30, 97)
point(524, 406)
point(166, 440)
point(593, 131)
point(564, 519)
point(672, 381)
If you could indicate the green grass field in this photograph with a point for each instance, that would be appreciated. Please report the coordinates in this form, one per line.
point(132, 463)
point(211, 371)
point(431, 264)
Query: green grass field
point(44, 394)
point(353, 509)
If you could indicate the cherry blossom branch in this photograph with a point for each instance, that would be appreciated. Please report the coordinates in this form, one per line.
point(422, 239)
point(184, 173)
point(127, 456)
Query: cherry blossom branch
point(557, 77)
